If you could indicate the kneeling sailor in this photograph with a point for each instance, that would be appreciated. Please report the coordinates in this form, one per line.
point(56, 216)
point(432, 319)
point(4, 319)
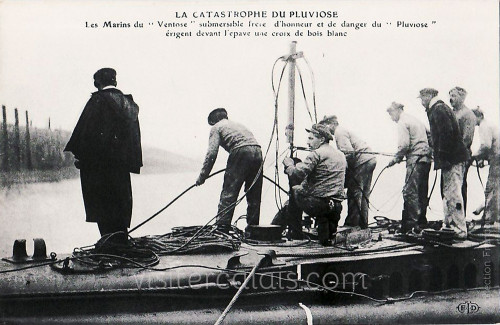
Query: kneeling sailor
point(321, 192)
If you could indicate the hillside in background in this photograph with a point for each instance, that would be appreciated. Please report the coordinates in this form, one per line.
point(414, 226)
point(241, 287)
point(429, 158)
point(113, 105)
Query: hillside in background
point(162, 161)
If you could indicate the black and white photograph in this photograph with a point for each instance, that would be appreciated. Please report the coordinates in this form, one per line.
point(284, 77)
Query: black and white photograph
point(249, 162)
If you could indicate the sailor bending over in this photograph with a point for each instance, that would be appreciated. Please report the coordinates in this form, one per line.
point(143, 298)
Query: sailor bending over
point(360, 166)
point(244, 166)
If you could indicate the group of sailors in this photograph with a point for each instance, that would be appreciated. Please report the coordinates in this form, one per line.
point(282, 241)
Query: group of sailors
point(317, 183)
point(107, 148)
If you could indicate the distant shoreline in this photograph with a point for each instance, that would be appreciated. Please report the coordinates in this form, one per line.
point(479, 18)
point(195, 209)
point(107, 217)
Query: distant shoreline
point(11, 178)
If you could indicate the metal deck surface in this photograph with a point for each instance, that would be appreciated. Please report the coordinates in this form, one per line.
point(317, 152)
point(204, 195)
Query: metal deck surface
point(46, 281)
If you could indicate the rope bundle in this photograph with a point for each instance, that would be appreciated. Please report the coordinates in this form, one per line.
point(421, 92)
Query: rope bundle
point(144, 252)
point(208, 239)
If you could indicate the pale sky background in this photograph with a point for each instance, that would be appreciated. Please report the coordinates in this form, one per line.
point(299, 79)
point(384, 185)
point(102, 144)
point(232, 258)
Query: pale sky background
point(48, 57)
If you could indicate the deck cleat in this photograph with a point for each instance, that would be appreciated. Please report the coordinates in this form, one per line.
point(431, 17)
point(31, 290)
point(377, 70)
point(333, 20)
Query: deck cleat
point(20, 256)
point(40, 251)
point(270, 259)
point(235, 263)
point(19, 251)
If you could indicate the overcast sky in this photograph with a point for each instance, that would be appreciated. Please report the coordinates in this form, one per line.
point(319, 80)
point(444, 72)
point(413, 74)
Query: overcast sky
point(48, 57)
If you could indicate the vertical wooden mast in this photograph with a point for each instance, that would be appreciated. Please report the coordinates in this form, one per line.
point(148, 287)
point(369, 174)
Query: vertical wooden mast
point(291, 95)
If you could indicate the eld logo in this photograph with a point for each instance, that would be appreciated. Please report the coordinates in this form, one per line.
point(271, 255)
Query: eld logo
point(468, 307)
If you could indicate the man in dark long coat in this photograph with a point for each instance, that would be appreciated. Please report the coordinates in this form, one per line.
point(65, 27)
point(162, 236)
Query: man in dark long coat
point(106, 143)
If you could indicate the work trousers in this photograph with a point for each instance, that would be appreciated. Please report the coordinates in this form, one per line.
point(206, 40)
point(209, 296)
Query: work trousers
point(327, 214)
point(467, 164)
point(415, 195)
point(491, 207)
point(242, 167)
point(358, 182)
point(454, 216)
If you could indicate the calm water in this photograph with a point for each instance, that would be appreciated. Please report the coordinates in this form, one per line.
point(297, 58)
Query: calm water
point(55, 212)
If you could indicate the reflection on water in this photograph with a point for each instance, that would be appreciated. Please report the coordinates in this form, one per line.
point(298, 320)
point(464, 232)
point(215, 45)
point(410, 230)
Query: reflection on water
point(55, 212)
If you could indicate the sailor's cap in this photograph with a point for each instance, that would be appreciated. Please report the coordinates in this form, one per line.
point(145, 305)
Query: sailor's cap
point(321, 130)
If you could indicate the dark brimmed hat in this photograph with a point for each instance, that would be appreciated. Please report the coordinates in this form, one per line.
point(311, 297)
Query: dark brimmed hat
point(216, 115)
point(321, 130)
point(105, 76)
point(428, 91)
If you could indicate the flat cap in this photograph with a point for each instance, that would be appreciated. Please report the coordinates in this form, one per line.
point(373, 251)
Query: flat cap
point(216, 115)
point(105, 76)
point(321, 130)
point(428, 91)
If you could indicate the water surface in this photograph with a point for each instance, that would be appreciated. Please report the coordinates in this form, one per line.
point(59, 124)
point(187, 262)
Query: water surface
point(55, 211)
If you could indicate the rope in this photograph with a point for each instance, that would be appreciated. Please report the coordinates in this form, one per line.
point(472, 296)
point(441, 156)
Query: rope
point(479, 175)
point(272, 73)
point(274, 130)
point(277, 185)
point(144, 252)
point(277, 194)
point(30, 266)
point(171, 202)
point(382, 153)
point(253, 183)
point(340, 254)
point(313, 88)
point(406, 182)
point(304, 94)
point(432, 190)
point(376, 180)
point(173, 243)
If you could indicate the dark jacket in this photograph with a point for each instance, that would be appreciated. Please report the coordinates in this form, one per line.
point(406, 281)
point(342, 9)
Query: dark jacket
point(107, 134)
point(447, 142)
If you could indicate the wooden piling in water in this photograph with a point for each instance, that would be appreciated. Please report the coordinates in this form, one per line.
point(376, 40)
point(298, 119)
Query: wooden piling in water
point(5, 142)
point(29, 162)
point(17, 142)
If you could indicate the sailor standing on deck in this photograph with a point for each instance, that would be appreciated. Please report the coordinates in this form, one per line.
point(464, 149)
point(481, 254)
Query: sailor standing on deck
point(106, 143)
point(450, 155)
point(244, 166)
point(489, 150)
point(412, 145)
point(467, 124)
point(321, 192)
point(360, 167)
